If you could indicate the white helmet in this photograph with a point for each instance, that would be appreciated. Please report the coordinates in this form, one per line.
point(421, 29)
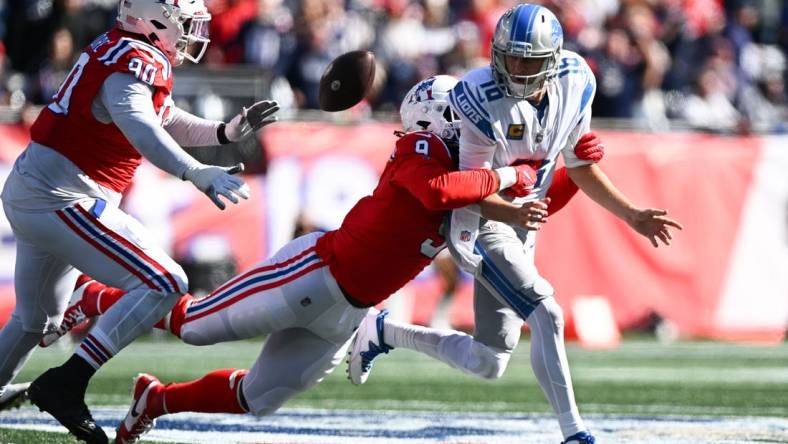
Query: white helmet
point(177, 27)
point(426, 108)
point(531, 32)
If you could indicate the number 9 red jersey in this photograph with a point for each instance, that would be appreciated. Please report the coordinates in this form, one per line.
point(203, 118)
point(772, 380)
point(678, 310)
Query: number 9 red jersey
point(389, 237)
point(68, 125)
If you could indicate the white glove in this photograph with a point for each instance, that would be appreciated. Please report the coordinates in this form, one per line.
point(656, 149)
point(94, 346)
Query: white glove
point(215, 181)
point(250, 120)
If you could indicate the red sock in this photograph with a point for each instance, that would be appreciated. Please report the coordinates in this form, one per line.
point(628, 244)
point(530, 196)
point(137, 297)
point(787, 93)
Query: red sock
point(98, 298)
point(108, 297)
point(173, 321)
point(217, 392)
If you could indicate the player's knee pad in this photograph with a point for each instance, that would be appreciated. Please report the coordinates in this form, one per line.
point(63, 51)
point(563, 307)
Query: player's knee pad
point(530, 295)
point(193, 337)
point(549, 310)
point(493, 361)
point(500, 331)
point(540, 290)
point(510, 338)
point(271, 401)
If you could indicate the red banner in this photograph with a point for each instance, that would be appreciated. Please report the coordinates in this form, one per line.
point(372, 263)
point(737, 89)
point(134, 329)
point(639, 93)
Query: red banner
point(723, 277)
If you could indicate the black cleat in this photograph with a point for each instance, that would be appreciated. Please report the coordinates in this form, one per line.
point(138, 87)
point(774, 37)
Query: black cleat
point(13, 396)
point(50, 394)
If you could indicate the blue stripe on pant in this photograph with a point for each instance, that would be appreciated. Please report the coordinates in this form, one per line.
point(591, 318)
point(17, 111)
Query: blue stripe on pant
point(516, 299)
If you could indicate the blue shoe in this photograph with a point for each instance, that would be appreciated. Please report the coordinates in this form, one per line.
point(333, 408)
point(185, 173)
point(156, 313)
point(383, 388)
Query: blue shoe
point(580, 438)
point(366, 346)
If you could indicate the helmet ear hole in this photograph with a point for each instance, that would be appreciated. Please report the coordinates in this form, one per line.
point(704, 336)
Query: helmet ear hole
point(423, 123)
point(158, 25)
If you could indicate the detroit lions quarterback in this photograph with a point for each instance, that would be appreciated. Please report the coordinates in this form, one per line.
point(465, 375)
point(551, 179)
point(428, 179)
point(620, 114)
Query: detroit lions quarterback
point(532, 103)
point(62, 195)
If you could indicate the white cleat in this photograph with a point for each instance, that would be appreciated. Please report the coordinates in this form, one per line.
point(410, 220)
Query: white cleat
point(13, 396)
point(366, 346)
point(73, 316)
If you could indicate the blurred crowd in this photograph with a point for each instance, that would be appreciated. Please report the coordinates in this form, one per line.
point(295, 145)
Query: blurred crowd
point(715, 65)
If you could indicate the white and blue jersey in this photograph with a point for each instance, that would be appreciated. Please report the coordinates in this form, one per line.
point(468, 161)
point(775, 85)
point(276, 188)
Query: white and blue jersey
point(498, 130)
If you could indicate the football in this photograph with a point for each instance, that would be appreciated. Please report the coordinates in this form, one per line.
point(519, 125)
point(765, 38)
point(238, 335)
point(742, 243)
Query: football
point(346, 80)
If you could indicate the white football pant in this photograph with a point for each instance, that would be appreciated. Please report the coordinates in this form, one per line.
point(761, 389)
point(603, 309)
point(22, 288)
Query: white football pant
point(508, 289)
point(103, 242)
point(291, 298)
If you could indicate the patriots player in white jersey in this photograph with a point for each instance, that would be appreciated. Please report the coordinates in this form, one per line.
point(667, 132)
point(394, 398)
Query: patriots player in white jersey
point(530, 105)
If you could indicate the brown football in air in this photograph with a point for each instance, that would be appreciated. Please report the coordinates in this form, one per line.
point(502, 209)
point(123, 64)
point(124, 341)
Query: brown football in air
point(346, 80)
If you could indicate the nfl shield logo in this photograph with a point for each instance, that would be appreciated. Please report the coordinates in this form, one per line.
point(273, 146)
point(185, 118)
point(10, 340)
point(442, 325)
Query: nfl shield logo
point(465, 235)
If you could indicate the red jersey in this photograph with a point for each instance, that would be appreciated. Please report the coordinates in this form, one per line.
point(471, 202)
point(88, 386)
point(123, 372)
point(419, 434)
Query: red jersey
point(68, 126)
point(389, 237)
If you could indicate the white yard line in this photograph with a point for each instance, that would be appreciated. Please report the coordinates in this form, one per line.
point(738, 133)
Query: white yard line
point(311, 426)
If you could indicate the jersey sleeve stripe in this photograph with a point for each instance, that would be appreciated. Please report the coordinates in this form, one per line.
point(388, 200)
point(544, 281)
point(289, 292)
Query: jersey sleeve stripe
point(587, 93)
point(462, 103)
point(112, 51)
point(477, 103)
point(118, 54)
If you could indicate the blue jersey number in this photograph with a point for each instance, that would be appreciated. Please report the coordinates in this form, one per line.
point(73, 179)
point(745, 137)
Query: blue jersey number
point(491, 91)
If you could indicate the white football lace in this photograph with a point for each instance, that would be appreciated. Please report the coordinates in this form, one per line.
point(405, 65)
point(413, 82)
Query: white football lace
point(143, 426)
point(71, 319)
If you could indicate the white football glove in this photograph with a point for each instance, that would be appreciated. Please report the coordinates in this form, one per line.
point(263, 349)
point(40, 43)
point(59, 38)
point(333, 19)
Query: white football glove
point(250, 120)
point(215, 181)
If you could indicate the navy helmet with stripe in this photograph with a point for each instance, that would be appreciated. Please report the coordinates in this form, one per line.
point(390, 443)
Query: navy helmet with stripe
point(526, 31)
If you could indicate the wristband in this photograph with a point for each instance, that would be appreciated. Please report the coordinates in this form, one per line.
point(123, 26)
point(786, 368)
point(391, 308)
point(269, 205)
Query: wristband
point(223, 140)
point(507, 176)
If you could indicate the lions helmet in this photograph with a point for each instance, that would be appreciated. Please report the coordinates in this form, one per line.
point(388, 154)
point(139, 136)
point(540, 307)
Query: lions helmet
point(426, 108)
point(531, 33)
point(179, 28)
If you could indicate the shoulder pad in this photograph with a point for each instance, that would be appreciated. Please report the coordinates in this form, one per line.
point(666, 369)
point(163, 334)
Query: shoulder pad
point(575, 72)
point(140, 59)
point(423, 143)
point(466, 100)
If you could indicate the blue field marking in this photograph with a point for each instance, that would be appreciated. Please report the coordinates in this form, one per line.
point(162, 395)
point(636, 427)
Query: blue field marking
point(311, 426)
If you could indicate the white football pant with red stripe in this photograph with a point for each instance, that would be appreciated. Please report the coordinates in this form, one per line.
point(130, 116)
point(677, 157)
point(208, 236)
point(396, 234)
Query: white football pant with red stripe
point(103, 242)
point(291, 298)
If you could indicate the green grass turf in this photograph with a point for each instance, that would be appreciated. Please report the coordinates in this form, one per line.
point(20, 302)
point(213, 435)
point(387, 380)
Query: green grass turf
point(8, 436)
point(640, 377)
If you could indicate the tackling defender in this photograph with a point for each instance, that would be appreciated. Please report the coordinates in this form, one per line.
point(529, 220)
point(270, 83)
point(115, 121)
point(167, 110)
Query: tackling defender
point(311, 295)
point(62, 195)
point(532, 103)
